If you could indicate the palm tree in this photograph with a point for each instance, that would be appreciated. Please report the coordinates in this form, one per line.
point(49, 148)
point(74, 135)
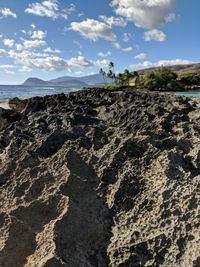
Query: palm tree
point(111, 68)
point(127, 76)
point(111, 65)
point(110, 74)
point(136, 74)
point(102, 72)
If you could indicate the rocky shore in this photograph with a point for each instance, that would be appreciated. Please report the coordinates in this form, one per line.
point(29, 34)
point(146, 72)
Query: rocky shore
point(99, 178)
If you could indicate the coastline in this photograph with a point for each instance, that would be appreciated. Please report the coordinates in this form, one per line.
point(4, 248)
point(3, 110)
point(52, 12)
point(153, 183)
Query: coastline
point(4, 104)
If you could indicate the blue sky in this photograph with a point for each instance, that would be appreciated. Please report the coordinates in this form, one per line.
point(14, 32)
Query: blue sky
point(52, 38)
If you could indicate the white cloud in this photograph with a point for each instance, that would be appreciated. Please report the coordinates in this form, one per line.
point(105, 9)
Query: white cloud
point(127, 49)
point(49, 64)
point(19, 47)
point(79, 61)
point(38, 35)
point(141, 56)
point(35, 43)
point(126, 37)
point(25, 69)
point(79, 73)
point(33, 26)
point(165, 63)
point(2, 52)
point(8, 68)
point(113, 21)
point(81, 14)
point(93, 30)
point(147, 13)
point(104, 54)
point(30, 60)
point(49, 8)
point(117, 45)
point(6, 12)
point(25, 32)
point(24, 56)
point(101, 63)
point(29, 44)
point(154, 35)
point(70, 9)
point(50, 50)
point(9, 42)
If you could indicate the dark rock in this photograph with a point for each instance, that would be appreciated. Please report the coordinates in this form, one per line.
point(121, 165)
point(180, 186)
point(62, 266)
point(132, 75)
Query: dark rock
point(100, 178)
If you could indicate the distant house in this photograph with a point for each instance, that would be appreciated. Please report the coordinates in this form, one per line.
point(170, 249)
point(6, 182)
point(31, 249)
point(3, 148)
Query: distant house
point(134, 81)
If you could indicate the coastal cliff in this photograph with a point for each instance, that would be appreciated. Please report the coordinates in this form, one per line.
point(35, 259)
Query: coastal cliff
point(99, 178)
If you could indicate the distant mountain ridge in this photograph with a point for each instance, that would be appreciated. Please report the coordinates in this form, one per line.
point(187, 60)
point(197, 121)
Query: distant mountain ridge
point(34, 81)
point(97, 79)
point(179, 69)
point(89, 79)
point(67, 83)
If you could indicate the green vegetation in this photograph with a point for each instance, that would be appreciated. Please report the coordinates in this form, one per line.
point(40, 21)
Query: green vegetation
point(161, 79)
point(190, 79)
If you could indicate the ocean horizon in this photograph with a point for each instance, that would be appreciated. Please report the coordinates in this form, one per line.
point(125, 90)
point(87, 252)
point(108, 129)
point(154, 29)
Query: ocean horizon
point(22, 91)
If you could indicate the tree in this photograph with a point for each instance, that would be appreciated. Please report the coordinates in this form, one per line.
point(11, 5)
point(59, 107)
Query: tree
point(103, 73)
point(190, 79)
point(111, 73)
point(111, 65)
point(136, 74)
point(163, 79)
point(127, 76)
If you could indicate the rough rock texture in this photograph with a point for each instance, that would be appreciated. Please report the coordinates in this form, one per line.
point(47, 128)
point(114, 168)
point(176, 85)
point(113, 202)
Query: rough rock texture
point(100, 178)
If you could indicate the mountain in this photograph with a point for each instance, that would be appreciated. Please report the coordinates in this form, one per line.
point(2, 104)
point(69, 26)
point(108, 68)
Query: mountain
point(34, 81)
point(90, 79)
point(62, 79)
point(179, 69)
point(95, 79)
point(69, 83)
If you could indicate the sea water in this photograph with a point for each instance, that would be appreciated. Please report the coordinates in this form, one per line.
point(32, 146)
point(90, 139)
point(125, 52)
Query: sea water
point(189, 94)
point(20, 91)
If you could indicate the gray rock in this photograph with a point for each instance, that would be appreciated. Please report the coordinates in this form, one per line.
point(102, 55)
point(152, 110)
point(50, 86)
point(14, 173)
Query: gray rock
point(100, 178)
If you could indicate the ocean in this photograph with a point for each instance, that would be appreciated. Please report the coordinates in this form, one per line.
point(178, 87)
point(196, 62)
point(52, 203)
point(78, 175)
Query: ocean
point(189, 94)
point(21, 91)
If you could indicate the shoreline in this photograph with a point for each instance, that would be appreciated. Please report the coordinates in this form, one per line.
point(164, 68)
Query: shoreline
point(4, 101)
point(4, 104)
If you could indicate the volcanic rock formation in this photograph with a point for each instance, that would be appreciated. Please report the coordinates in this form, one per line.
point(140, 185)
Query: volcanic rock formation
point(100, 178)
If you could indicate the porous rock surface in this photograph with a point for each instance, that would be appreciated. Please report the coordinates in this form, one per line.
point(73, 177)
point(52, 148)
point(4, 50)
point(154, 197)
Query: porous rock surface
point(100, 178)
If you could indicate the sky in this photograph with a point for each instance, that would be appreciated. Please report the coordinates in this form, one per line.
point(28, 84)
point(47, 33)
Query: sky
point(52, 38)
